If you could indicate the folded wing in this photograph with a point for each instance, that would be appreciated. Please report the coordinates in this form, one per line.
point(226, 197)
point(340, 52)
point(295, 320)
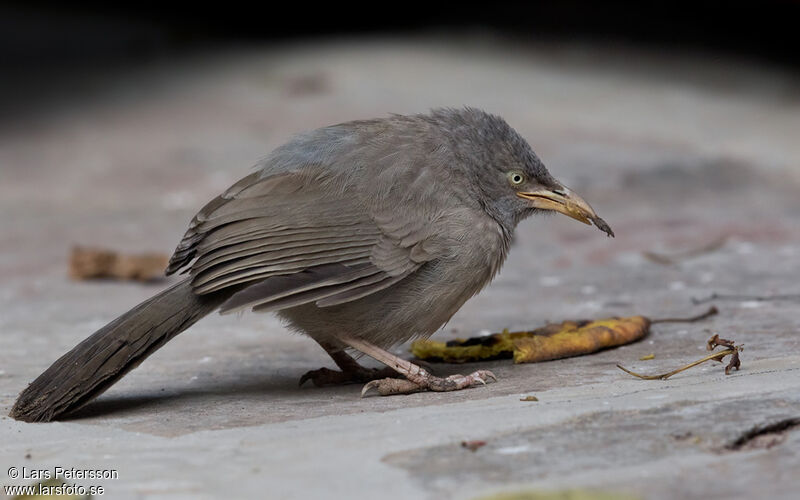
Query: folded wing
point(291, 239)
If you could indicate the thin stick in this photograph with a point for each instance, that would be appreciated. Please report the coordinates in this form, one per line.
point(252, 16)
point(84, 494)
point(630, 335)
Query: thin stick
point(717, 356)
point(711, 312)
point(757, 298)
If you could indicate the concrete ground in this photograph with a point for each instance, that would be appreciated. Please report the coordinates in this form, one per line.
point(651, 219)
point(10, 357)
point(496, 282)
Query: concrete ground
point(675, 151)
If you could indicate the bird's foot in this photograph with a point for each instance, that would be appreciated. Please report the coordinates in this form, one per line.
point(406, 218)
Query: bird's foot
point(357, 375)
point(424, 381)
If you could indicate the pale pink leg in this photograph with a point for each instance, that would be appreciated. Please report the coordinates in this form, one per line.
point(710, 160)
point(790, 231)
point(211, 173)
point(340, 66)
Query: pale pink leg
point(351, 371)
point(416, 378)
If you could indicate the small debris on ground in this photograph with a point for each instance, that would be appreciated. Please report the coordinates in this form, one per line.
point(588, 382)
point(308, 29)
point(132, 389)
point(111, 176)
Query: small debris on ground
point(648, 357)
point(473, 445)
point(529, 398)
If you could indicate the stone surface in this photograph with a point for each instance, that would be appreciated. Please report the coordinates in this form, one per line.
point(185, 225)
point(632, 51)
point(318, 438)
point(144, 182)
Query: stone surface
point(676, 152)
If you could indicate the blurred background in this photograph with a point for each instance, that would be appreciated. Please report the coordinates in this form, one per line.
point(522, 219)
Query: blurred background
point(120, 120)
point(42, 41)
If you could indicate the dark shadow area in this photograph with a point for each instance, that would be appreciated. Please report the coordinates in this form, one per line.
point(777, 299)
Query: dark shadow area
point(116, 404)
point(86, 29)
point(51, 54)
point(244, 389)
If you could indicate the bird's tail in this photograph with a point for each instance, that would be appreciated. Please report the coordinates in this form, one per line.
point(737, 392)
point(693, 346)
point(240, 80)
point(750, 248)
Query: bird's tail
point(102, 359)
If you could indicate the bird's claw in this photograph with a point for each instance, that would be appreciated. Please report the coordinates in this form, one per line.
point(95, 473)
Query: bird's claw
point(321, 377)
point(369, 386)
point(479, 376)
point(391, 386)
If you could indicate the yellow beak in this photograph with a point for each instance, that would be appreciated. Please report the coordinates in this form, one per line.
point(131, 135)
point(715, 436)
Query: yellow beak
point(567, 202)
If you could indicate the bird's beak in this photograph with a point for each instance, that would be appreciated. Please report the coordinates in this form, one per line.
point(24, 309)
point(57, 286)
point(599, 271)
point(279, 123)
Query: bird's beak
point(567, 202)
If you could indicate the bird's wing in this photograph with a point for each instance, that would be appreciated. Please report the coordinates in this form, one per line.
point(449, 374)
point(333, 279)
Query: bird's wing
point(289, 239)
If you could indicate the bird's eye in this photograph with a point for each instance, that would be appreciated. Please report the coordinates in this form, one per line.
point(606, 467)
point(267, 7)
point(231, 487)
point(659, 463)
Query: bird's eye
point(516, 178)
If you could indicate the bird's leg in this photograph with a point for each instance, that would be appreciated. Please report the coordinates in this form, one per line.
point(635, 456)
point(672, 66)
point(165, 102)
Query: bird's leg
point(351, 372)
point(416, 378)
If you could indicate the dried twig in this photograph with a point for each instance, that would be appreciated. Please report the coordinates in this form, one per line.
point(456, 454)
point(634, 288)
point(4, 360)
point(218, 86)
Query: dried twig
point(669, 260)
point(731, 349)
point(711, 312)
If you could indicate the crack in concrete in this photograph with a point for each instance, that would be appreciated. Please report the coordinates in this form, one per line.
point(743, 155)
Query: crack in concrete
point(764, 436)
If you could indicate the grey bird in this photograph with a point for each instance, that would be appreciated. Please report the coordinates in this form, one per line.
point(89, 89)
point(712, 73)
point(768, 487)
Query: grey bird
point(360, 235)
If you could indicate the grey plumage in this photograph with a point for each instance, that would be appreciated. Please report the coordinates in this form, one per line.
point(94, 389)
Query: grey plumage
point(381, 229)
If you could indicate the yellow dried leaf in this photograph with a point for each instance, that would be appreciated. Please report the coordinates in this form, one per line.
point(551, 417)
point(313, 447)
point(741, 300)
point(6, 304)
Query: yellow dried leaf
point(574, 339)
point(553, 341)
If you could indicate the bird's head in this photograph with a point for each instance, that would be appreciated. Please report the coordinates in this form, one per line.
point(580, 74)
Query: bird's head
point(528, 191)
point(512, 182)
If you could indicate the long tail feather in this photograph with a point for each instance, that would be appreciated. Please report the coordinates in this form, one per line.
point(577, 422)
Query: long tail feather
point(102, 359)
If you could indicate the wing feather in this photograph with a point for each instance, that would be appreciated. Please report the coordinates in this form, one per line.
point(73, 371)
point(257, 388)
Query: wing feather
point(292, 285)
point(274, 247)
point(236, 273)
point(295, 242)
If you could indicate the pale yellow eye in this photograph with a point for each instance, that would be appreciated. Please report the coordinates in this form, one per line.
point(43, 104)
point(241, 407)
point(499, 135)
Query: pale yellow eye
point(516, 178)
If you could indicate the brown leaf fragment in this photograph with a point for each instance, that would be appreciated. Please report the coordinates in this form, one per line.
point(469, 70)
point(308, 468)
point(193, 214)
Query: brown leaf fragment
point(529, 398)
point(715, 341)
point(96, 263)
point(734, 363)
